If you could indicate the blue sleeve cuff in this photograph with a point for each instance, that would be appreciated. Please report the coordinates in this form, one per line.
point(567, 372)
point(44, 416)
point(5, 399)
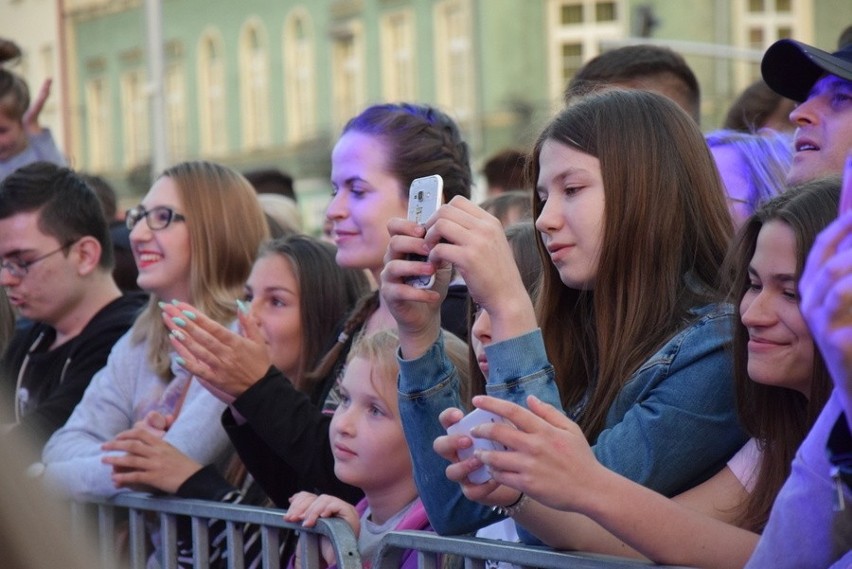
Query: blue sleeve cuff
point(516, 357)
point(423, 373)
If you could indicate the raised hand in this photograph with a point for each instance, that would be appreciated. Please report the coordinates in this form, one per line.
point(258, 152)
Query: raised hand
point(225, 362)
point(30, 118)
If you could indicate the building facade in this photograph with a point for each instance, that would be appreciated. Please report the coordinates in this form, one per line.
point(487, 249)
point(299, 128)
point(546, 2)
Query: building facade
point(270, 83)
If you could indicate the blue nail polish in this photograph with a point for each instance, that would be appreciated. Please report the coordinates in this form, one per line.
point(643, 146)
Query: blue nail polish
point(179, 322)
point(161, 304)
point(175, 301)
point(241, 306)
point(189, 314)
point(180, 361)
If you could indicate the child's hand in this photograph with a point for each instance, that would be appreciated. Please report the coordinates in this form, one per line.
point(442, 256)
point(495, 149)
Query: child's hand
point(307, 508)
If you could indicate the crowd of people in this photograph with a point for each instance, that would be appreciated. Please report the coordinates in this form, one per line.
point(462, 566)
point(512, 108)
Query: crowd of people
point(657, 320)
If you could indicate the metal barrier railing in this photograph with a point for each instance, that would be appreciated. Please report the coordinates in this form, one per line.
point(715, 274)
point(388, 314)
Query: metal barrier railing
point(269, 521)
point(429, 547)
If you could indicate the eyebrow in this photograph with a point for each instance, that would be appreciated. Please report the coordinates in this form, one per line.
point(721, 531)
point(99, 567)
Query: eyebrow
point(567, 173)
point(828, 82)
point(776, 277)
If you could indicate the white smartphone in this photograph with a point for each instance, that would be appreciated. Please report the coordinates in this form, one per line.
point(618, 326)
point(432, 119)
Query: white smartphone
point(424, 198)
point(477, 417)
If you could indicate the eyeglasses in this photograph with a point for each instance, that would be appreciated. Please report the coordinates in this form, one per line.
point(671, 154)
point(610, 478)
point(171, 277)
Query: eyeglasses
point(158, 217)
point(19, 268)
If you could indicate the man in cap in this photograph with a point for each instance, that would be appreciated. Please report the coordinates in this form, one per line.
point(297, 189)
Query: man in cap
point(822, 84)
point(817, 495)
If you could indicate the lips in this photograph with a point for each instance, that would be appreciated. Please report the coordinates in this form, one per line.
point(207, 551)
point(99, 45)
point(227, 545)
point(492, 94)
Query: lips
point(804, 144)
point(342, 451)
point(758, 344)
point(146, 259)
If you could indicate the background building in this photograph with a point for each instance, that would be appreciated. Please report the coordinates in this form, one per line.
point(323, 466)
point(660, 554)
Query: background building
point(270, 83)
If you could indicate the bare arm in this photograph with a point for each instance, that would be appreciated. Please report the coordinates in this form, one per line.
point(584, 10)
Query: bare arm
point(566, 509)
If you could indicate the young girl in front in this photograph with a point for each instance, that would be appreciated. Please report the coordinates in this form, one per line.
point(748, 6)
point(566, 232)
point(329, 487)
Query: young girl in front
point(370, 452)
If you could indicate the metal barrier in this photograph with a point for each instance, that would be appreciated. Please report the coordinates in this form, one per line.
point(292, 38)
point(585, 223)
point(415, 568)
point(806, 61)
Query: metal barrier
point(200, 512)
point(428, 546)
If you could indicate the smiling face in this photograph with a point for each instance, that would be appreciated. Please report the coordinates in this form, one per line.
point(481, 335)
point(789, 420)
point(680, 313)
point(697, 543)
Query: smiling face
point(52, 286)
point(823, 130)
point(365, 197)
point(366, 434)
point(273, 290)
point(571, 190)
point(163, 256)
point(780, 347)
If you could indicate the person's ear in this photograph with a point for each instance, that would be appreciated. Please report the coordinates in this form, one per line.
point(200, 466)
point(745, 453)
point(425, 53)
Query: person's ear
point(87, 251)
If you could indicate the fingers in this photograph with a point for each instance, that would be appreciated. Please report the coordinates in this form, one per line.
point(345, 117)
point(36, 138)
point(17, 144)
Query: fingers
point(30, 118)
point(450, 416)
point(308, 508)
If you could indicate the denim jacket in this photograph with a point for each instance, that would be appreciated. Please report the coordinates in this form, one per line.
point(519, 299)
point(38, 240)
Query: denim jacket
point(672, 426)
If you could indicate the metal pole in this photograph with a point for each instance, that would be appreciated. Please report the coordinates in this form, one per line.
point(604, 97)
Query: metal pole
point(156, 66)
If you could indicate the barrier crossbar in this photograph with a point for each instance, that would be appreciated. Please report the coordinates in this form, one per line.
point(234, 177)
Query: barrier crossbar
point(138, 509)
point(270, 521)
point(476, 551)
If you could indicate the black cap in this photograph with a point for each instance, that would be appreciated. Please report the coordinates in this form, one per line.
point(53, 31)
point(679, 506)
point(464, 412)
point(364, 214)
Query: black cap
point(791, 68)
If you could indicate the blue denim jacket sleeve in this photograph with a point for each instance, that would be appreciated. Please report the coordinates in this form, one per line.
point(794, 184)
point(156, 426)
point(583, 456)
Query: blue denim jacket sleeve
point(674, 423)
point(430, 384)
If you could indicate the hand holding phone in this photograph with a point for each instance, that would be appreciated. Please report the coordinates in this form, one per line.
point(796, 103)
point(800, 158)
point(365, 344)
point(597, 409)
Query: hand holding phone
point(477, 417)
point(424, 197)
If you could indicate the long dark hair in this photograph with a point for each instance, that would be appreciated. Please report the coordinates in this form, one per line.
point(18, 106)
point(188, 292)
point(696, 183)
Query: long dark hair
point(777, 417)
point(327, 293)
point(666, 228)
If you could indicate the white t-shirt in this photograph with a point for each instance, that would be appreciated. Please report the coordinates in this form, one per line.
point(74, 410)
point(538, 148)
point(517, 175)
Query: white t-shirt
point(745, 464)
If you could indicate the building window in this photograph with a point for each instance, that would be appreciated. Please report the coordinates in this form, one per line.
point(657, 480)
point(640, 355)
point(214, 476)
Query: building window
point(299, 78)
point(211, 94)
point(347, 60)
point(397, 47)
point(98, 121)
point(454, 58)
point(134, 111)
point(175, 87)
point(760, 23)
point(254, 86)
point(576, 29)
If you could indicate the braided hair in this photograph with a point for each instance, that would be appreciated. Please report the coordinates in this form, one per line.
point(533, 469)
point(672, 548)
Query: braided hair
point(421, 141)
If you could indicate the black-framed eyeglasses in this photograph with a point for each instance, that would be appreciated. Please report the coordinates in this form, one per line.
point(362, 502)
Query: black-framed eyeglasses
point(158, 217)
point(19, 268)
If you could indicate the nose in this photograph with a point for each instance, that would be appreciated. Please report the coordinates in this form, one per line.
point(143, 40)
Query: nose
point(549, 219)
point(140, 232)
point(757, 310)
point(481, 329)
point(343, 422)
point(804, 113)
point(6, 277)
point(337, 206)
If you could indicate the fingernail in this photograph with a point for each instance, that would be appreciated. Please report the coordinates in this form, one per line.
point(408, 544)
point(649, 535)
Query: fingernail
point(179, 322)
point(189, 314)
point(177, 334)
point(180, 361)
point(242, 307)
point(161, 304)
point(175, 301)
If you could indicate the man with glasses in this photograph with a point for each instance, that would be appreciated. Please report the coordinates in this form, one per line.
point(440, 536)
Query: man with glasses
point(56, 268)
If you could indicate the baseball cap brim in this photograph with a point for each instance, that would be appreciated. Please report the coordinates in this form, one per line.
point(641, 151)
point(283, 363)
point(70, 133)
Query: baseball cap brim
point(791, 68)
